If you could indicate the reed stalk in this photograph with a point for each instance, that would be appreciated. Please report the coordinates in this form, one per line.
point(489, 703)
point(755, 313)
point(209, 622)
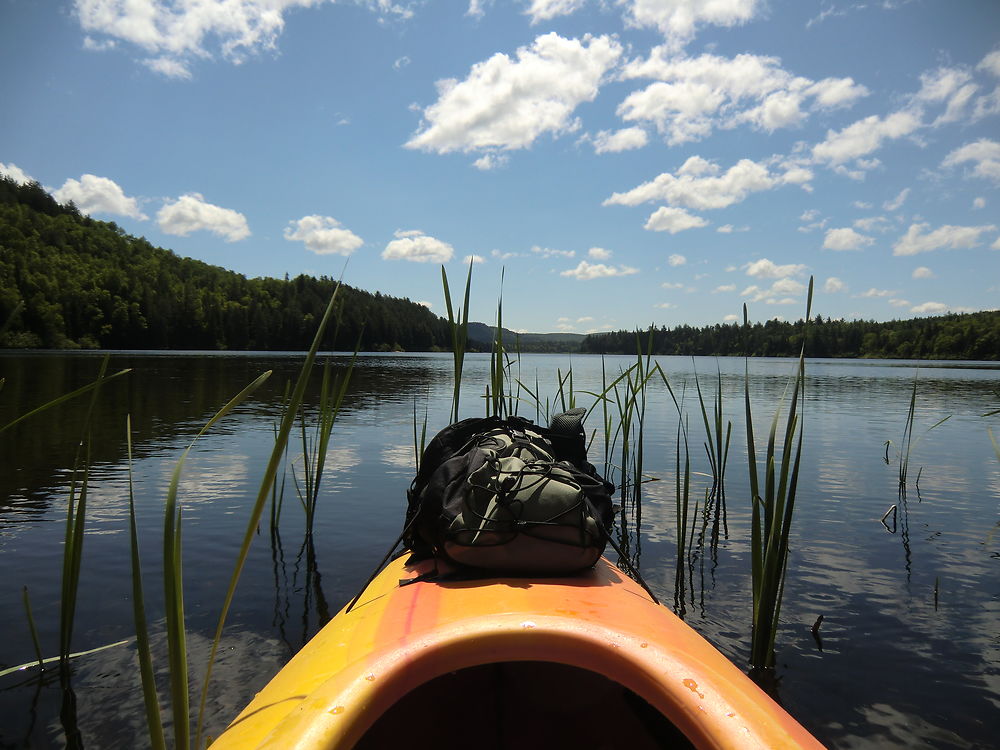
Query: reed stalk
point(716, 446)
point(264, 490)
point(459, 325)
point(772, 509)
point(907, 444)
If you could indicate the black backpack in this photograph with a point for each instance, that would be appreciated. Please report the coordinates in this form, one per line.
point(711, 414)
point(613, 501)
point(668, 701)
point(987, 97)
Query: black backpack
point(508, 496)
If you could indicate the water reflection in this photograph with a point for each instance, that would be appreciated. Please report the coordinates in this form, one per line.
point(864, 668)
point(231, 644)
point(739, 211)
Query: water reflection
point(909, 608)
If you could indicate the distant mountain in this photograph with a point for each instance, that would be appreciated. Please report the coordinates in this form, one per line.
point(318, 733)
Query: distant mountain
point(481, 337)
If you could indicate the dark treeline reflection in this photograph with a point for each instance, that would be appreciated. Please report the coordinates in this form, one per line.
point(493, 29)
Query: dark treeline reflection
point(166, 396)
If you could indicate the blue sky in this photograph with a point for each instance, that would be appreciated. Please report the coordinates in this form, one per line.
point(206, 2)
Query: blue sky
point(626, 162)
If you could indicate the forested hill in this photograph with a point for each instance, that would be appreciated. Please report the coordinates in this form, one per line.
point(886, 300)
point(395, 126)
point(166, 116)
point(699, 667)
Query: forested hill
point(967, 336)
point(86, 283)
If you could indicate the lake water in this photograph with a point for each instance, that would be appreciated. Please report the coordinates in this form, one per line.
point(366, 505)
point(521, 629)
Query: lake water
point(908, 653)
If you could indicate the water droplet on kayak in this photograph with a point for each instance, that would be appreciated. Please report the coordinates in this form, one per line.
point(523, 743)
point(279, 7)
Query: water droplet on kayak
point(337, 710)
point(527, 624)
point(370, 678)
point(643, 645)
point(692, 686)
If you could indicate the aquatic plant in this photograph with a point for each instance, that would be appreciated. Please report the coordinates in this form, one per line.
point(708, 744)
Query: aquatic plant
point(716, 446)
point(459, 326)
point(772, 508)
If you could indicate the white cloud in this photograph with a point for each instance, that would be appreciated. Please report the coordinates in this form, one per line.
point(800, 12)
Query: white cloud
point(677, 260)
point(699, 184)
point(951, 85)
point(979, 202)
point(984, 153)
point(490, 161)
point(930, 307)
point(872, 224)
point(923, 272)
point(895, 302)
point(606, 142)
point(547, 252)
point(725, 229)
point(991, 63)
point(918, 240)
point(507, 104)
point(834, 285)
point(170, 67)
point(692, 96)
point(15, 173)
point(864, 137)
point(323, 235)
point(98, 195)
point(546, 10)
point(401, 62)
point(731, 317)
point(766, 269)
point(774, 295)
point(176, 32)
point(414, 245)
point(673, 220)
point(190, 213)
point(599, 253)
point(845, 238)
point(896, 203)
point(678, 20)
point(996, 244)
point(585, 319)
point(586, 271)
point(426, 304)
point(873, 292)
point(724, 288)
point(474, 259)
point(672, 285)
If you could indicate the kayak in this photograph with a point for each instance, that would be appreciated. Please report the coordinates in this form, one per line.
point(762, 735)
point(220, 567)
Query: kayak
point(586, 661)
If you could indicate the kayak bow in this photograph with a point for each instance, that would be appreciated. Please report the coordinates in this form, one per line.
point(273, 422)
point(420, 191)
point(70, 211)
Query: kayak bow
point(581, 661)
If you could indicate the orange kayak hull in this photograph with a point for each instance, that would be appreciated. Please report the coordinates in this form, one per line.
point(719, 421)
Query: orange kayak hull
point(398, 638)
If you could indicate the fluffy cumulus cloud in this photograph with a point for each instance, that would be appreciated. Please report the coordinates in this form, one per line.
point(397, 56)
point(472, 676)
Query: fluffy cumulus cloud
point(984, 155)
point(702, 185)
point(414, 245)
point(952, 87)
point(767, 269)
point(918, 240)
point(173, 34)
point(506, 103)
point(98, 195)
point(673, 220)
point(548, 252)
point(676, 260)
point(586, 271)
point(599, 253)
point(626, 139)
point(678, 20)
point(486, 162)
point(930, 308)
point(323, 235)
point(845, 238)
point(191, 213)
point(692, 96)
point(923, 272)
point(864, 137)
point(781, 292)
point(15, 173)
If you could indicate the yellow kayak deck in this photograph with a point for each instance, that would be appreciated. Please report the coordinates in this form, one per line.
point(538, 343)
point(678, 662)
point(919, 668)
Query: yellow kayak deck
point(524, 662)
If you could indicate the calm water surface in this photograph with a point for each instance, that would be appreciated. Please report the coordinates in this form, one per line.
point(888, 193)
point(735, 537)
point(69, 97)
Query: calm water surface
point(908, 653)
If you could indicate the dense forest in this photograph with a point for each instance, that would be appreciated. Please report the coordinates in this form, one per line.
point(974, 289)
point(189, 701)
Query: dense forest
point(966, 336)
point(69, 281)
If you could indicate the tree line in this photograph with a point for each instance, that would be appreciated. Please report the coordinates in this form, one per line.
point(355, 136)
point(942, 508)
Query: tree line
point(69, 281)
point(974, 336)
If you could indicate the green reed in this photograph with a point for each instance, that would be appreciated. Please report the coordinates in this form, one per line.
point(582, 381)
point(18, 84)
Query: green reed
point(459, 325)
point(716, 446)
point(772, 508)
point(907, 444)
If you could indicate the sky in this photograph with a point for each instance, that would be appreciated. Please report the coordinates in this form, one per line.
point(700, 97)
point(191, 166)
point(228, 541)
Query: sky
point(604, 164)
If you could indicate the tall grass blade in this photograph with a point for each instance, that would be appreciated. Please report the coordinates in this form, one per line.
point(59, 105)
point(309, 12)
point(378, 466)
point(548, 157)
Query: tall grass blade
point(459, 325)
point(173, 582)
point(265, 487)
point(65, 397)
point(31, 626)
point(149, 695)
